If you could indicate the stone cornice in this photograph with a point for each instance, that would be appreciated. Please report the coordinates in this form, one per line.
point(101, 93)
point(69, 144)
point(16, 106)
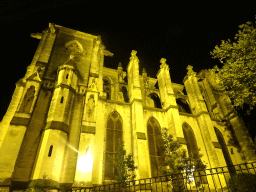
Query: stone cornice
point(19, 121)
point(57, 126)
point(216, 144)
point(88, 129)
point(111, 101)
point(180, 95)
point(154, 109)
point(139, 100)
point(152, 89)
point(66, 86)
point(75, 32)
point(194, 115)
point(171, 106)
point(182, 140)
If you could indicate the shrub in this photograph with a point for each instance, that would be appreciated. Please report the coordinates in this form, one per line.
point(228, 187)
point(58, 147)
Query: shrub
point(244, 182)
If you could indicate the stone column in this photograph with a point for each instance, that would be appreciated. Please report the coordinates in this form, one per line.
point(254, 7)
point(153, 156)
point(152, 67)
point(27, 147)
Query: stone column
point(86, 152)
point(169, 101)
point(204, 121)
point(94, 70)
point(140, 152)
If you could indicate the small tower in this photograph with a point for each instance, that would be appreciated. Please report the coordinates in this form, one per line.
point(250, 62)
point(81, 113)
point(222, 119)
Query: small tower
point(52, 149)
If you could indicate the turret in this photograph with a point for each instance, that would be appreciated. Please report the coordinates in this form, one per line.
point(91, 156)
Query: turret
point(51, 153)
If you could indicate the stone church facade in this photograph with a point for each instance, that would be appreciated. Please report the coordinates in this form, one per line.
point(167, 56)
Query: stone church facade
point(70, 110)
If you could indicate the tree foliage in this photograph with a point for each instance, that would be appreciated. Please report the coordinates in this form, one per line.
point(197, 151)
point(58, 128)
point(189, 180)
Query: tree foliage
point(176, 160)
point(124, 166)
point(238, 74)
point(242, 182)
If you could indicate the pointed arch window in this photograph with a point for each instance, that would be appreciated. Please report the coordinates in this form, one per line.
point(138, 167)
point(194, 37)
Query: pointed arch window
point(224, 149)
point(190, 139)
point(114, 137)
point(154, 138)
point(107, 87)
point(193, 150)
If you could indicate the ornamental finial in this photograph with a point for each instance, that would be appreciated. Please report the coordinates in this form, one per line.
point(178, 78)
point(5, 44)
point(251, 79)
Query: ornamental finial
point(163, 65)
point(190, 70)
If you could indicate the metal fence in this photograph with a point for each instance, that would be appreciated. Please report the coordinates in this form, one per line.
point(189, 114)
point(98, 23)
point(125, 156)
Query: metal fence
point(214, 179)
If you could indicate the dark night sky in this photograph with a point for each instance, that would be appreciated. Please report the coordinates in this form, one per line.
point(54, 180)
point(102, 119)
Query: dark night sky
point(183, 32)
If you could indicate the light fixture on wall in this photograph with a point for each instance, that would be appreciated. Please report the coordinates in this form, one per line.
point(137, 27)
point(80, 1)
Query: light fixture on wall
point(85, 161)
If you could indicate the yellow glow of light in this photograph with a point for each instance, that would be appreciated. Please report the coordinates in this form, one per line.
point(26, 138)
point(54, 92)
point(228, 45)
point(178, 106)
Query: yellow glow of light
point(190, 176)
point(85, 163)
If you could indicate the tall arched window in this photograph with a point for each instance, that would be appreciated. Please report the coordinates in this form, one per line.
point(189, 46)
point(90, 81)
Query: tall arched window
point(154, 138)
point(107, 87)
point(224, 148)
point(114, 137)
point(192, 149)
point(190, 139)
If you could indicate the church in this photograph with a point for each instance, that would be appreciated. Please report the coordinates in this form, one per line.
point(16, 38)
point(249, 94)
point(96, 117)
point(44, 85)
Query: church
point(69, 113)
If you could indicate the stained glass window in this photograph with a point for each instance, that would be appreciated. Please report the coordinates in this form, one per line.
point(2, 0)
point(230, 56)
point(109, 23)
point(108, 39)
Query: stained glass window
point(113, 138)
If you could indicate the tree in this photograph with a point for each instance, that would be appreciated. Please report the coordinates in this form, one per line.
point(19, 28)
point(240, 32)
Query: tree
point(176, 160)
point(124, 166)
point(238, 74)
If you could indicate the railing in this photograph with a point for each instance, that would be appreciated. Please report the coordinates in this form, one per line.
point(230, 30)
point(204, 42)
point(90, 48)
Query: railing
point(215, 179)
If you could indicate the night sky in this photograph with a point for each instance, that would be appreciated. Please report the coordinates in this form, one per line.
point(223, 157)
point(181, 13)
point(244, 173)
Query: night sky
point(183, 32)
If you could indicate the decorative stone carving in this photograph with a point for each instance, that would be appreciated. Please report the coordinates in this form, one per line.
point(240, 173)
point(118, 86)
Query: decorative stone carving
point(52, 28)
point(108, 53)
point(74, 47)
point(36, 35)
point(164, 65)
point(93, 84)
point(120, 73)
point(133, 57)
point(190, 71)
point(90, 106)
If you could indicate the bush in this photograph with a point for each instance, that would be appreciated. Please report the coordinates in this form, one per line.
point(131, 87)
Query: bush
point(243, 182)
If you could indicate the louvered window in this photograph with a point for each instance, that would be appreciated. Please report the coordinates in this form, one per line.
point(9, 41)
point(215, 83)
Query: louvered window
point(113, 139)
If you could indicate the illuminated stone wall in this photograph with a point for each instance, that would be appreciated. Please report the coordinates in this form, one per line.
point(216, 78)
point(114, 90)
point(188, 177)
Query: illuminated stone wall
point(56, 124)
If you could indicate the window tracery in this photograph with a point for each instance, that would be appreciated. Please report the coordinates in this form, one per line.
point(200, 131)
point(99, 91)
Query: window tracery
point(114, 138)
point(154, 138)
